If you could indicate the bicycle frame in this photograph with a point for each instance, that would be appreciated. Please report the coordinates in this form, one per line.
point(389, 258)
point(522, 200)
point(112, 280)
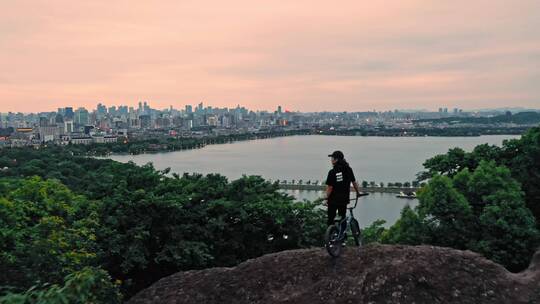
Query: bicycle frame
point(336, 234)
point(348, 218)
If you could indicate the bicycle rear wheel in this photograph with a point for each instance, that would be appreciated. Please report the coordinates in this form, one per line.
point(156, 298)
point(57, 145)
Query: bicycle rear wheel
point(332, 241)
point(356, 233)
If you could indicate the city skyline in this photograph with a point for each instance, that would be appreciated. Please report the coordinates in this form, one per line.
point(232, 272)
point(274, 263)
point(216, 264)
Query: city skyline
point(306, 56)
point(182, 107)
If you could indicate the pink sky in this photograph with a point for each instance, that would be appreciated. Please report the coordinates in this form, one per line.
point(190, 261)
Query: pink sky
point(303, 55)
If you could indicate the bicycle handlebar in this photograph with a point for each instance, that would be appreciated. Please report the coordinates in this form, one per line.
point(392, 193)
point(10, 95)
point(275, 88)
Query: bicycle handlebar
point(320, 200)
point(358, 195)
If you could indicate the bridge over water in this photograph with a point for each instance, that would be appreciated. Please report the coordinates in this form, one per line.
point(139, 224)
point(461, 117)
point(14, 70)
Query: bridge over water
point(320, 186)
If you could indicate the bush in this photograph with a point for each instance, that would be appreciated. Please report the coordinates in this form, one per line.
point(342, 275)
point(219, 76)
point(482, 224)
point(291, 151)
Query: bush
point(89, 285)
point(46, 232)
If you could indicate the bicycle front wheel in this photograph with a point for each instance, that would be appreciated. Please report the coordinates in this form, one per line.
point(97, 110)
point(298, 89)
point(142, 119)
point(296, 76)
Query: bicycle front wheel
point(332, 241)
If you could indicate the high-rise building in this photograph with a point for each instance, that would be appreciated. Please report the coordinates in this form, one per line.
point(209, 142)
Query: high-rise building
point(123, 110)
point(59, 119)
point(145, 121)
point(101, 109)
point(146, 108)
point(81, 117)
point(189, 109)
point(68, 113)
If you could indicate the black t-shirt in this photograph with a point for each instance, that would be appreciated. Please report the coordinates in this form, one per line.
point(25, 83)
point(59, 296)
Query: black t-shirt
point(340, 178)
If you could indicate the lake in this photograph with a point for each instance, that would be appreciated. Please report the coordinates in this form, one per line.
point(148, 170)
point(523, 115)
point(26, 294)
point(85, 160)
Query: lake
point(379, 159)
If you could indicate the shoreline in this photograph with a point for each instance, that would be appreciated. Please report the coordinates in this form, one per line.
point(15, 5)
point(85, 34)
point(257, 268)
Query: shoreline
point(395, 190)
point(207, 141)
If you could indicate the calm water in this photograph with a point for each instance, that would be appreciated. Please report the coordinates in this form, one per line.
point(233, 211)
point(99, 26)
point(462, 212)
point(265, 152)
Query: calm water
point(370, 208)
point(380, 159)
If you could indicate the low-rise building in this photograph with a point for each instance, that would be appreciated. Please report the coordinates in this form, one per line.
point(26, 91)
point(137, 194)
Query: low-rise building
point(105, 139)
point(81, 140)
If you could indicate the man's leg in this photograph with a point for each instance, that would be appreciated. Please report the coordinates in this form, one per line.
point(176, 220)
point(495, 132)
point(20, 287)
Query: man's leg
point(331, 214)
point(342, 211)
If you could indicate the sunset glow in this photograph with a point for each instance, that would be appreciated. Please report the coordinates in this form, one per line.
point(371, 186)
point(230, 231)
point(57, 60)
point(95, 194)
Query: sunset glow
point(303, 55)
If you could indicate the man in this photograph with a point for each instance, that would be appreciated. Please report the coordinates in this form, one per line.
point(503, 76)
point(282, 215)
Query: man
point(338, 186)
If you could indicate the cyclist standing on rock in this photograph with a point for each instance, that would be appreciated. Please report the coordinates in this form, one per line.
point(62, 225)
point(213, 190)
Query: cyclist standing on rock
point(338, 186)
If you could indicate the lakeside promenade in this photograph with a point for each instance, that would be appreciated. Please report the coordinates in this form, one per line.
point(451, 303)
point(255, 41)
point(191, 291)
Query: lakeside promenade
point(306, 187)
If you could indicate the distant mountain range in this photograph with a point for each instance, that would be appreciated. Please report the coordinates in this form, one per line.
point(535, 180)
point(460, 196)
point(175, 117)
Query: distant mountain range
point(511, 109)
point(521, 118)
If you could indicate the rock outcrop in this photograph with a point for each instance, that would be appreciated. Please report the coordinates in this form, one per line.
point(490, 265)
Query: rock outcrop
point(372, 274)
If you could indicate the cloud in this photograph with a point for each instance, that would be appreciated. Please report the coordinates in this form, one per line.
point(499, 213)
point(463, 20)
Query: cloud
point(305, 55)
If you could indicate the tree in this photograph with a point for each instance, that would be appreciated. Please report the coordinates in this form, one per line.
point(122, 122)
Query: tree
point(520, 156)
point(143, 224)
point(446, 164)
point(46, 232)
point(89, 285)
point(509, 234)
point(481, 210)
point(445, 212)
point(408, 229)
point(373, 233)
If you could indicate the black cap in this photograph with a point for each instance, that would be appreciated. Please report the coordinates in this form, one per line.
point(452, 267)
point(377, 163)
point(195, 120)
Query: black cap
point(337, 155)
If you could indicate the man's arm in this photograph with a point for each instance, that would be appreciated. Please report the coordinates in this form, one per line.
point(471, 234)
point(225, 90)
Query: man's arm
point(354, 182)
point(330, 182)
point(356, 187)
point(328, 191)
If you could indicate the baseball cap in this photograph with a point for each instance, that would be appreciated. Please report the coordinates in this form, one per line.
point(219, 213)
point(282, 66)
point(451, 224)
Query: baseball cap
point(337, 155)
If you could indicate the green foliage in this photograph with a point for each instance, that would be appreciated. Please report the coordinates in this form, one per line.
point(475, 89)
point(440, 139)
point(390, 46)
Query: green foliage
point(150, 225)
point(509, 235)
point(167, 143)
point(373, 233)
point(89, 285)
point(445, 213)
point(46, 232)
point(482, 210)
point(408, 229)
point(520, 156)
point(196, 222)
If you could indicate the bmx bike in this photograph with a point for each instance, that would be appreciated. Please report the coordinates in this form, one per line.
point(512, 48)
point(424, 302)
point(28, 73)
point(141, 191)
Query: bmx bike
point(336, 234)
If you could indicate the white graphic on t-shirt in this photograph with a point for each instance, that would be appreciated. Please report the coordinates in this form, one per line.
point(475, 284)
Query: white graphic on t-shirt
point(339, 177)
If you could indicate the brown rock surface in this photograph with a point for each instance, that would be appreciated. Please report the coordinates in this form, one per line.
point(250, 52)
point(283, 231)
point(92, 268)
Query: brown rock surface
point(372, 274)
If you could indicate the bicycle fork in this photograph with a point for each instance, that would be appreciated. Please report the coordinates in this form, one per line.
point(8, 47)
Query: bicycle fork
point(342, 229)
